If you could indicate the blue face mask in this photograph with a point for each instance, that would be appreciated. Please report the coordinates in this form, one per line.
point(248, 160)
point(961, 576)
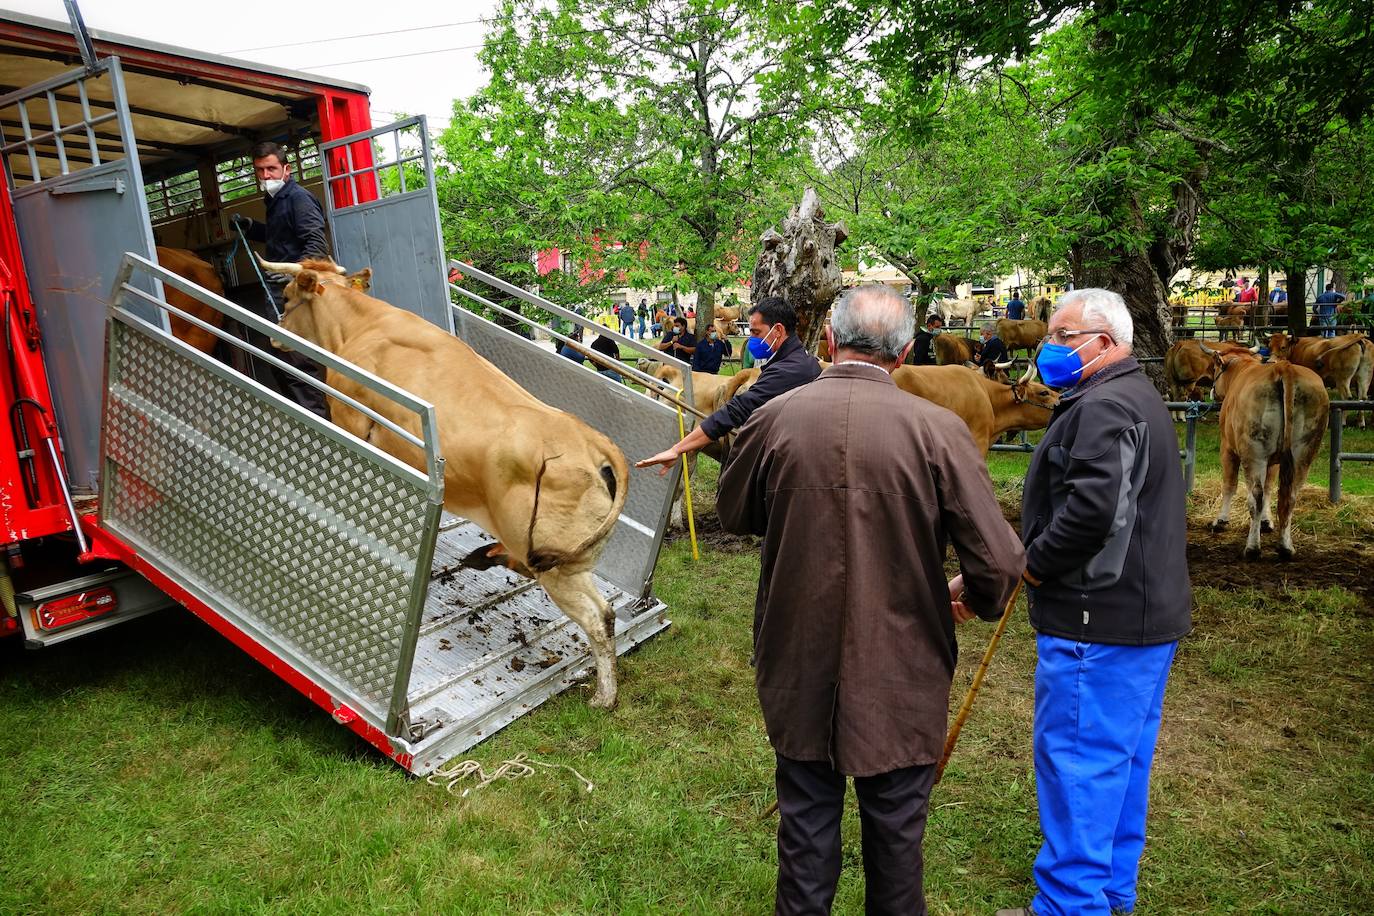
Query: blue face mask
point(759, 349)
point(1060, 366)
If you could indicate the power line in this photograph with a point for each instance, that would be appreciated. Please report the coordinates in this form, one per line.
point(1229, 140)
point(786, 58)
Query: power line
point(398, 115)
point(373, 60)
point(550, 34)
point(321, 41)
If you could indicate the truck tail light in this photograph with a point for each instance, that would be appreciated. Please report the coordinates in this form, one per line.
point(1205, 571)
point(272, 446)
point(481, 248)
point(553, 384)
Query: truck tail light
point(70, 609)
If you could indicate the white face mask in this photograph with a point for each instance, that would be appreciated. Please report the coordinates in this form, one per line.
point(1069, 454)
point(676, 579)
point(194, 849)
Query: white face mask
point(273, 185)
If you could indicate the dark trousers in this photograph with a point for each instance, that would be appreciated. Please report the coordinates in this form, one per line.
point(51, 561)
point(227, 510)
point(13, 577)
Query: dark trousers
point(892, 815)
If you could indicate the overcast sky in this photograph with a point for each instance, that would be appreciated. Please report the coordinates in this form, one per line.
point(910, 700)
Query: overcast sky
point(420, 83)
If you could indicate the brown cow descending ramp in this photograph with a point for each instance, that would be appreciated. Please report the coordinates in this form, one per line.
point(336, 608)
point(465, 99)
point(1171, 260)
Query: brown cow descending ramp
point(547, 485)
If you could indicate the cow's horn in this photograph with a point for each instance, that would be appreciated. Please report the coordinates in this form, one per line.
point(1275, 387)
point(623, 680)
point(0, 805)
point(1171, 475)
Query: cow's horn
point(1006, 365)
point(278, 267)
point(1206, 349)
point(1255, 348)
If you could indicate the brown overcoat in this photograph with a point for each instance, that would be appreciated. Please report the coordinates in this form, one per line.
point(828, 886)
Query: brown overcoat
point(857, 487)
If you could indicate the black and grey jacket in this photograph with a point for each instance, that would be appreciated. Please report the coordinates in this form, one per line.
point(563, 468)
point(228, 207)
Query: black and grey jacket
point(1103, 516)
point(295, 225)
point(791, 367)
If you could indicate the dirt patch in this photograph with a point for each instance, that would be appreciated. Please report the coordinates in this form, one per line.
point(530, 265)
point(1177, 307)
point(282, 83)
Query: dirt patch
point(1216, 560)
point(712, 536)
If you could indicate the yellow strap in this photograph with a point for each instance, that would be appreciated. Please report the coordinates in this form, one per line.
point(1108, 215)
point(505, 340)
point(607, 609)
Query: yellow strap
point(687, 488)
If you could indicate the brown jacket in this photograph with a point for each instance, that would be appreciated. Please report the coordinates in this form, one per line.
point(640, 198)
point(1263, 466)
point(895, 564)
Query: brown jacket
point(856, 488)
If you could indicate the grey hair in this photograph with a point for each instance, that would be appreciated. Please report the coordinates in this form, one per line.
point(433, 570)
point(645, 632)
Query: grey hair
point(1103, 309)
point(988, 326)
point(874, 320)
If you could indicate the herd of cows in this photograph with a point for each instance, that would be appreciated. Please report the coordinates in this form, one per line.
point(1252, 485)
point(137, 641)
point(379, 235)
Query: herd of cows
point(550, 488)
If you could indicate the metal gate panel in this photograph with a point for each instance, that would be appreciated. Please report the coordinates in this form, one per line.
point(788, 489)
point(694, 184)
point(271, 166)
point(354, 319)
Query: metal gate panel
point(73, 195)
point(638, 425)
point(312, 542)
point(398, 234)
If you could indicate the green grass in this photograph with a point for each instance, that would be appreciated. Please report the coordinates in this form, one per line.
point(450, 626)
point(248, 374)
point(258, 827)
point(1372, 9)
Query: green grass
point(154, 768)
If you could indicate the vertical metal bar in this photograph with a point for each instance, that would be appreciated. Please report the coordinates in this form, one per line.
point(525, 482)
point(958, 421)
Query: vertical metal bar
point(445, 296)
point(415, 611)
point(350, 180)
point(86, 117)
point(83, 37)
point(57, 132)
point(400, 166)
point(1333, 483)
point(28, 140)
point(1190, 450)
point(130, 143)
point(419, 584)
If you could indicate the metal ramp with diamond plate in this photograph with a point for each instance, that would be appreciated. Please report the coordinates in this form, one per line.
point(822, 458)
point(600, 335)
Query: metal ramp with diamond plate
point(322, 556)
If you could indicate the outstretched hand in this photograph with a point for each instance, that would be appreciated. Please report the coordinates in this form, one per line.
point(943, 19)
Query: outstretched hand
point(666, 458)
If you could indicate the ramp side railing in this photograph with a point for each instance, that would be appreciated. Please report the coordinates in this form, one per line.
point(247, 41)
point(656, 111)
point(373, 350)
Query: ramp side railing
point(311, 541)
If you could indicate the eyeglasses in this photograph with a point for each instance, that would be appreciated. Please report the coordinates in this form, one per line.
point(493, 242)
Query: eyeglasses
point(1061, 336)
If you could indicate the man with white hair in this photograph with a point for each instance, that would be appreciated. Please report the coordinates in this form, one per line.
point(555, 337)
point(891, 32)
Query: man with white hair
point(856, 488)
point(1102, 518)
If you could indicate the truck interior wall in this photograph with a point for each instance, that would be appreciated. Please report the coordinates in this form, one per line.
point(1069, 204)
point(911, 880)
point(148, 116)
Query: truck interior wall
point(211, 235)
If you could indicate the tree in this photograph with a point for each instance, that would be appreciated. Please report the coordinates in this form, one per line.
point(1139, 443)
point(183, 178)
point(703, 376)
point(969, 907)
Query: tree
point(1145, 95)
point(667, 121)
point(952, 204)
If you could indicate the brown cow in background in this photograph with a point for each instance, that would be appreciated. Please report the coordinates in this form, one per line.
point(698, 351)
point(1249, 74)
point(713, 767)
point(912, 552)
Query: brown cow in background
point(988, 408)
point(1273, 416)
point(202, 273)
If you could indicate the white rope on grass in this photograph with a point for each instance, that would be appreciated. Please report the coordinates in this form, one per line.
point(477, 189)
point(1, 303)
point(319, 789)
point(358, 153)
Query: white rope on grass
point(518, 767)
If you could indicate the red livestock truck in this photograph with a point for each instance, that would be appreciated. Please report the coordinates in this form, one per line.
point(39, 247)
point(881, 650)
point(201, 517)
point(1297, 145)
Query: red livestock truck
point(137, 472)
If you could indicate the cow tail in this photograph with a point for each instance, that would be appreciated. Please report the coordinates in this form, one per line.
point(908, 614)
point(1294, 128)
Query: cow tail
point(1287, 386)
point(620, 470)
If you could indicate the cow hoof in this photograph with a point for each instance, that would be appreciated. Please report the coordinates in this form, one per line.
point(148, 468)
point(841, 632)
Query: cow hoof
point(1285, 553)
point(1252, 553)
point(1219, 525)
point(1266, 526)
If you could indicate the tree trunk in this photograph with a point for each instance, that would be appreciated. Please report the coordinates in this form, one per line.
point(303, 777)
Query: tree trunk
point(799, 265)
point(1297, 300)
point(1135, 279)
point(1340, 278)
point(1263, 310)
point(706, 312)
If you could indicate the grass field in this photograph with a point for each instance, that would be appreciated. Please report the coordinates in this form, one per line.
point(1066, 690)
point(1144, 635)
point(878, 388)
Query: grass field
point(154, 768)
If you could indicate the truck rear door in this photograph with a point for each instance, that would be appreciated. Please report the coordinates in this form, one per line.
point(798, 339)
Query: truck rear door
point(73, 172)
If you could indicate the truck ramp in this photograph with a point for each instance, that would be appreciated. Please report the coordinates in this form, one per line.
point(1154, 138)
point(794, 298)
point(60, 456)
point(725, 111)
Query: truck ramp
point(331, 561)
point(492, 646)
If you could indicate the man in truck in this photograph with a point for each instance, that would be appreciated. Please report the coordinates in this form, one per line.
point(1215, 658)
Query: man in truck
point(294, 231)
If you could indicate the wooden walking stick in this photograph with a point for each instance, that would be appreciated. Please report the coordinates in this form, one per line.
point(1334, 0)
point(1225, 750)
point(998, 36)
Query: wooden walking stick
point(967, 706)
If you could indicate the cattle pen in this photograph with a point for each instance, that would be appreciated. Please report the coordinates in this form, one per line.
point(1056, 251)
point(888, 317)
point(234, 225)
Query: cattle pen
point(1194, 411)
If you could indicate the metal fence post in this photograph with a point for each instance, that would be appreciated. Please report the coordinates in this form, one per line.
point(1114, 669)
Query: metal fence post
point(1337, 424)
point(1190, 447)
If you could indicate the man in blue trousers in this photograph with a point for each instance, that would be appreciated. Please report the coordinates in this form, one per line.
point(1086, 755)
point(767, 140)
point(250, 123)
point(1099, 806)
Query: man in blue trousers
point(1106, 538)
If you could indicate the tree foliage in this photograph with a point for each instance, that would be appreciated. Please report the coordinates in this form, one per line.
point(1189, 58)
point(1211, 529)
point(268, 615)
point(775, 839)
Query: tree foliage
point(1140, 105)
point(664, 121)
